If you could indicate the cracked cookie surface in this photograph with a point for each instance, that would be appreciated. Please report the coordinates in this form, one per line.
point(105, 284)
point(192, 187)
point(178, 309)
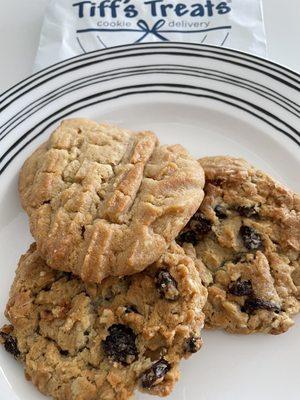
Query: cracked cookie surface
point(103, 201)
point(85, 341)
point(245, 239)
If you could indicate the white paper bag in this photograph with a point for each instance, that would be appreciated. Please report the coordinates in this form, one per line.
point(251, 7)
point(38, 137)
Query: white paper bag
point(73, 27)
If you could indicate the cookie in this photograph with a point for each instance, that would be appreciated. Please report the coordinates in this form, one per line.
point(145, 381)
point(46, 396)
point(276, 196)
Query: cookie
point(92, 341)
point(245, 238)
point(104, 201)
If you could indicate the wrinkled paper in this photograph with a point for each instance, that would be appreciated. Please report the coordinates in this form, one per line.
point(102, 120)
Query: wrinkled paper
point(75, 27)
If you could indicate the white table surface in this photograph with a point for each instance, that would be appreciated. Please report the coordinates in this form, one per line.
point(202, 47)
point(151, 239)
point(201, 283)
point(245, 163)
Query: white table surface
point(20, 24)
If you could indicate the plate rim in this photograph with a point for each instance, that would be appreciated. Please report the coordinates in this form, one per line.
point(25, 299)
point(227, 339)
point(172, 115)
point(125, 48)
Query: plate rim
point(60, 64)
point(172, 49)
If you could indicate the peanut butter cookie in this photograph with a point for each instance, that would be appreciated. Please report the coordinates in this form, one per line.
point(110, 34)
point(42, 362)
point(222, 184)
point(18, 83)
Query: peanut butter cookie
point(104, 201)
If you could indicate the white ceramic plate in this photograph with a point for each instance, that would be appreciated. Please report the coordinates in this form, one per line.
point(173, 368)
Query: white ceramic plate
point(213, 101)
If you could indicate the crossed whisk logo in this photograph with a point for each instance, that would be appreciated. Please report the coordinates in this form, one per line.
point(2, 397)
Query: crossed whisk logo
point(114, 16)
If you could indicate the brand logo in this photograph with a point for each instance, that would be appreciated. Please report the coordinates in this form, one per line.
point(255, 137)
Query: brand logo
point(156, 8)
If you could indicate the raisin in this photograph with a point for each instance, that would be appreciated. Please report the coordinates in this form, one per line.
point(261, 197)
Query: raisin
point(82, 232)
point(64, 352)
point(247, 211)
point(10, 344)
point(155, 373)
point(131, 309)
point(240, 288)
point(120, 344)
point(252, 304)
point(197, 227)
point(251, 239)
point(193, 344)
point(200, 224)
point(188, 237)
point(221, 212)
point(166, 285)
